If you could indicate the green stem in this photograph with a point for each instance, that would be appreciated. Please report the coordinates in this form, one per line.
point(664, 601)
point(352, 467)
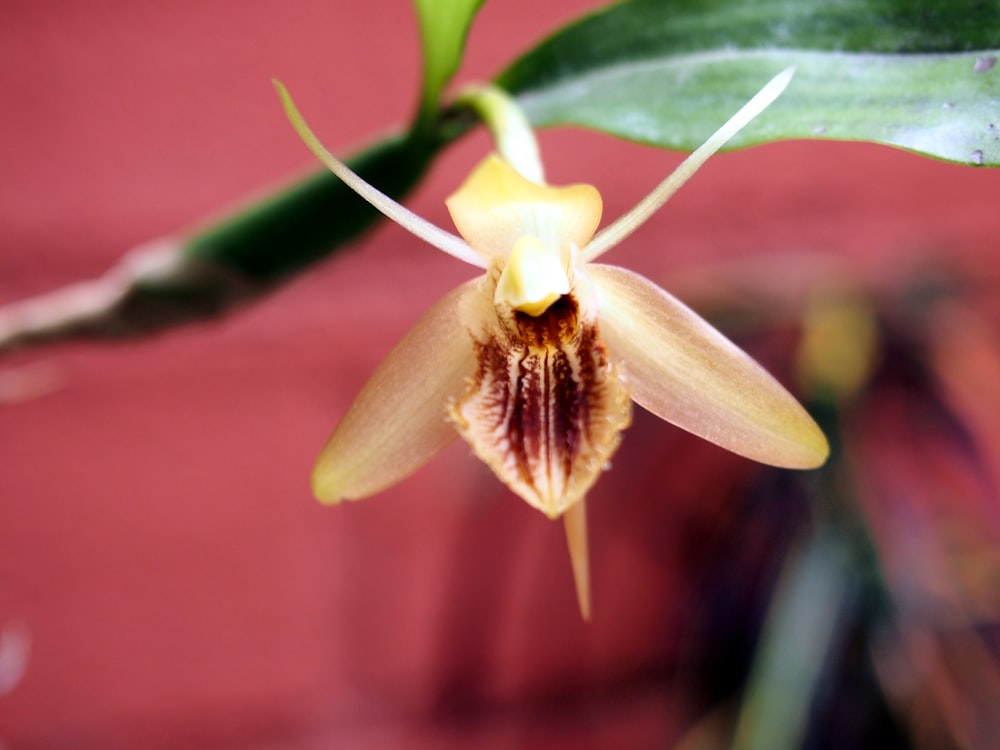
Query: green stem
point(295, 228)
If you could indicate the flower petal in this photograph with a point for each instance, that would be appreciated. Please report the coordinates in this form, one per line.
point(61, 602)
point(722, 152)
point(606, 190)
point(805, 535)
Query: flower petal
point(686, 372)
point(398, 421)
point(496, 206)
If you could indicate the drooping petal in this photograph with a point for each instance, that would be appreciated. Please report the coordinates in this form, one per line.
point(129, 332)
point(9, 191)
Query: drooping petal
point(546, 405)
point(575, 523)
point(399, 421)
point(496, 206)
point(686, 372)
point(399, 213)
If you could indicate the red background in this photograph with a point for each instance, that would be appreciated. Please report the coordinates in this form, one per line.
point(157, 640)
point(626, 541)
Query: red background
point(157, 536)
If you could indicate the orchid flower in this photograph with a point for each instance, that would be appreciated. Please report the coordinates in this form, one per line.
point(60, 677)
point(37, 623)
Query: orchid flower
point(535, 363)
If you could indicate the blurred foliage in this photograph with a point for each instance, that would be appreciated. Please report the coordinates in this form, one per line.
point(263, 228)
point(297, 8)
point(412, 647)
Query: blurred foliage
point(870, 605)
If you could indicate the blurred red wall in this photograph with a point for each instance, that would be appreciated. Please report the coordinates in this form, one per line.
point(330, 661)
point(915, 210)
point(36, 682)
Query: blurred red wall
point(157, 535)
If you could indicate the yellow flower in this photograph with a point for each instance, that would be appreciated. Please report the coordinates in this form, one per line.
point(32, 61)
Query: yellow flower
point(536, 362)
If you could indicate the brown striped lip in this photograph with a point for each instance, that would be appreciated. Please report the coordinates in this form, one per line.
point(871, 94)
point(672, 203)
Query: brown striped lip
point(546, 406)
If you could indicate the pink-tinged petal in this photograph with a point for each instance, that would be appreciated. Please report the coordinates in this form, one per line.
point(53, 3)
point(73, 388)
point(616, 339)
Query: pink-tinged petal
point(686, 372)
point(496, 206)
point(398, 421)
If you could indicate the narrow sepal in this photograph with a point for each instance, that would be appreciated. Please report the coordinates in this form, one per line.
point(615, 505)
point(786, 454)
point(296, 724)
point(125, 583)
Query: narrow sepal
point(399, 213)
point(575, 523)
point(622, 227)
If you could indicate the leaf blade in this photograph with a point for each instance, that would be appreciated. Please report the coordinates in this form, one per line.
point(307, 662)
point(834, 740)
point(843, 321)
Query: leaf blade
point(891, 73)
point(444, 26)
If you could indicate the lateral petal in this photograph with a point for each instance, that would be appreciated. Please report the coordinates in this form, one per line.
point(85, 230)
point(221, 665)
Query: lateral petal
point(683, 370)
point(398, 421)
point(496, 206)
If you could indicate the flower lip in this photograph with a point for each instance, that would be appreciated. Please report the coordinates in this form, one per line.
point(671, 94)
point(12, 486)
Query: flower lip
point(546, 405)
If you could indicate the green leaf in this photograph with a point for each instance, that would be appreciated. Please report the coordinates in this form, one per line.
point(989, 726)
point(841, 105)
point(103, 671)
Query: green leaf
point(804, 624)
point(444, 26)
point(918, 74)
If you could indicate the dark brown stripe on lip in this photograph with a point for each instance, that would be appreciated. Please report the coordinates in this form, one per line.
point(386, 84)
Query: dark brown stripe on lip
point(545, 407)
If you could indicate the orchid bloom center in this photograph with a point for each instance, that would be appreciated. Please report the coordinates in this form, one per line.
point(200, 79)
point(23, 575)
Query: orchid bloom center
point(532, 279)
point(528, 361)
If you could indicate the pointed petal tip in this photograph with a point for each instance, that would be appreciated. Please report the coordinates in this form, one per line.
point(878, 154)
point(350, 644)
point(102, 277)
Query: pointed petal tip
point(793, 439)
point(781, 81)
point(575, 524)
point(325, 489)
point(810, 449)
point(785, 436)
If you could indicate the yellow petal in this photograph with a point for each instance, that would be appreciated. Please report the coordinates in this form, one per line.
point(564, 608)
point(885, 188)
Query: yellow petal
point(398, 421)
point(496, 206)
point(686, 372)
